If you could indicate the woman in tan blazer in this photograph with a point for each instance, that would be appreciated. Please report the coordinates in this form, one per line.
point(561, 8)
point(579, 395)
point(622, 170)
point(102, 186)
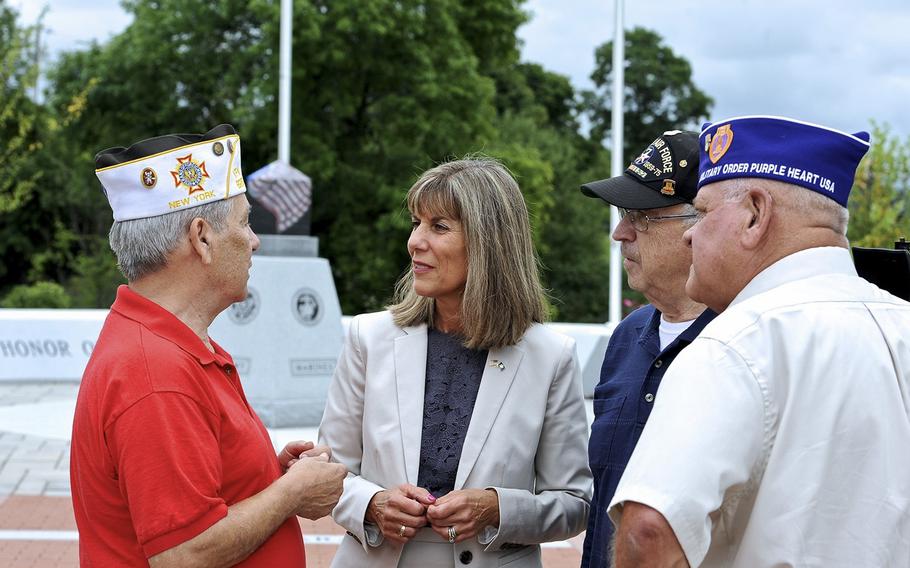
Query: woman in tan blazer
point(459, 416)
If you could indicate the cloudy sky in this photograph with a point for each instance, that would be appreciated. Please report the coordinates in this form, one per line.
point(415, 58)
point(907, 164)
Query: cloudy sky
point(841, 63)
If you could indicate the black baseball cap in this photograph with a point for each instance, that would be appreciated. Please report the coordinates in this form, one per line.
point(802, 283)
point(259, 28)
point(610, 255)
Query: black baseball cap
point(664, 174)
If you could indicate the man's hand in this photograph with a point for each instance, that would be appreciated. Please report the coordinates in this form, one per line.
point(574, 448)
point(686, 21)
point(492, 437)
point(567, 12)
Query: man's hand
point(468, 511)
point(314, 484)
point(289, 455)
point(399, 512)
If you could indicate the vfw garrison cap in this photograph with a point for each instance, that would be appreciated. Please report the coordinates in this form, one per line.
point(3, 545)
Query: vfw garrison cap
point(664, 174)
point(818, 158)
point(171, 173)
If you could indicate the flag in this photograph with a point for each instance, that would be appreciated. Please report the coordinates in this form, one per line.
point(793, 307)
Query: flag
point(283, 190)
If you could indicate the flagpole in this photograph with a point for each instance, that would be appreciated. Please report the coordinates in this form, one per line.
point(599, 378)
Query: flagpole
point(616, 130)
point(284, 84)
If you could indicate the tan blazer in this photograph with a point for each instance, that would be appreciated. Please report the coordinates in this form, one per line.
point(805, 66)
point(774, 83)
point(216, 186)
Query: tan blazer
point(527, 439)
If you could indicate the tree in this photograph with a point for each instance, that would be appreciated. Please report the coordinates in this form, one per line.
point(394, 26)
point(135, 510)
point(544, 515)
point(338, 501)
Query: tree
point(538, 138)
point(382, 89)
point(880, 199)
point(490, 28)
point(18, 112)
point(38, 295)
point(143, 82)
point(659, 92)
point(19, 118)
point(659, 95)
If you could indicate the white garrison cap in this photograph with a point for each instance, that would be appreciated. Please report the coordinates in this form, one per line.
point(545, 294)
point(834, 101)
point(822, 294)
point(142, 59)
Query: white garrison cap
point(170, 173)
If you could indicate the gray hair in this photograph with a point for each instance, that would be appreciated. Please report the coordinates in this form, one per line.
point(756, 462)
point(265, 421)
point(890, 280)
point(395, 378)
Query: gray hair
point(689, 209)
point(503, 295)
point(143, 245)
point(813, 206)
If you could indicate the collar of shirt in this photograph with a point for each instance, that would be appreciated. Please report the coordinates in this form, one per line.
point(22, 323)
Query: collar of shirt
point(166, 325)
point(649, 338)
point(799, 265)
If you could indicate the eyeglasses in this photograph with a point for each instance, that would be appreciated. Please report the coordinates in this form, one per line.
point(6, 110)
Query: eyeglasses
point(640, 221)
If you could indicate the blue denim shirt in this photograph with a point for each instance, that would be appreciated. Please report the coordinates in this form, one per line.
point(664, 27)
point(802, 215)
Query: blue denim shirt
point(631, 372)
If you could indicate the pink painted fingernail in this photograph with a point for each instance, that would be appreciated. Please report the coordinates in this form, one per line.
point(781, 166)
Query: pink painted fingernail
point(431, 498)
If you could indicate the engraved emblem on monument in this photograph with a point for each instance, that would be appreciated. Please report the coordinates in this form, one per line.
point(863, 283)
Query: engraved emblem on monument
point(307, 306)
point(245, 311)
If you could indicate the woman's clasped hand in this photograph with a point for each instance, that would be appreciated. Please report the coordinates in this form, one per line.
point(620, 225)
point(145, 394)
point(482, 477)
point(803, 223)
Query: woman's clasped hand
point(401, 512)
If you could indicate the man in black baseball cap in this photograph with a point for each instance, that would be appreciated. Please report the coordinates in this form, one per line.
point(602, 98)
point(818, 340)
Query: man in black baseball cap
point(654, 196)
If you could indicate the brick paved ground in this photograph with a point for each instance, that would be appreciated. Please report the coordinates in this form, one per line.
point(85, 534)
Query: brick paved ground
point(30, 465)
point(37, 528)
point(53, 516)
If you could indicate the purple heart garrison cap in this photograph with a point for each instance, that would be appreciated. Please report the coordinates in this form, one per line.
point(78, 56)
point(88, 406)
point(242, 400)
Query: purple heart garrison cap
point(170, 173)
point(664, 174)
point(818, 158)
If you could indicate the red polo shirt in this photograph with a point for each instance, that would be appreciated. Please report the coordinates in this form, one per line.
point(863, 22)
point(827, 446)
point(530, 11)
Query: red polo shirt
point(164, 442)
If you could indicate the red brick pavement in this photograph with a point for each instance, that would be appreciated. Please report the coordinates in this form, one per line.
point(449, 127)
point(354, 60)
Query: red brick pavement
point(56, 514)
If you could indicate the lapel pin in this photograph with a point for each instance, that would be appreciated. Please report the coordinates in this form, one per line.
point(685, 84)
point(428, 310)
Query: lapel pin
point(498, 363)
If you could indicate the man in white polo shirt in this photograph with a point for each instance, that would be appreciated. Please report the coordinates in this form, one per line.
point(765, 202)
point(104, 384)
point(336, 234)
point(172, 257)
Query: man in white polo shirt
point(780, 435)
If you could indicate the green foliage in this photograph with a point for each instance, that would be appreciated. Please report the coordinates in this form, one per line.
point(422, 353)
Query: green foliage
point(529, 88)
point(659, 95)
point(18, 113)
point(489, 27)
point(20, 121)
point(38, 295)
point(880, 199)
point(540, 142)
point(382, 90)
point(95, 276)
point(577, 239)
point(178, 67)
point(659, 92)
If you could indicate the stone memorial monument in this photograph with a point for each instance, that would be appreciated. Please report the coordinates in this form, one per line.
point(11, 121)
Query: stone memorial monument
point(286, 336)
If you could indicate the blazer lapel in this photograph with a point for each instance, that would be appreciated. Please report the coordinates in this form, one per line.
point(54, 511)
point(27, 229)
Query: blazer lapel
point(410, 378)
point(499, 372)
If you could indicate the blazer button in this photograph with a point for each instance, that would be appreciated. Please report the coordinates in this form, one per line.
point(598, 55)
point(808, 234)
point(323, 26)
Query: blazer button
point(466, 557)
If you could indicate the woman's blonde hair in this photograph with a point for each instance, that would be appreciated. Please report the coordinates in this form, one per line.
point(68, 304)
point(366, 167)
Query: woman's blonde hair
point(503, 295)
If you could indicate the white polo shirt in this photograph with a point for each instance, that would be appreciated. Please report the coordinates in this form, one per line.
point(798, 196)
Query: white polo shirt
point(781, 436)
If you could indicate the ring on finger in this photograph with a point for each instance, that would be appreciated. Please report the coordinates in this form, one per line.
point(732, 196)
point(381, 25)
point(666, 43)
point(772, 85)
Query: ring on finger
point(401, 530)
point(453, 534)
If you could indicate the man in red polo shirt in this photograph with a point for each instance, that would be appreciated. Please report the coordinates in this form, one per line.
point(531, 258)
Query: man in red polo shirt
point(169, 464)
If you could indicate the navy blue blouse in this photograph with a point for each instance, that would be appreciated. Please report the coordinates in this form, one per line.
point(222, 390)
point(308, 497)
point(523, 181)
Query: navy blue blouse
point(452, 380)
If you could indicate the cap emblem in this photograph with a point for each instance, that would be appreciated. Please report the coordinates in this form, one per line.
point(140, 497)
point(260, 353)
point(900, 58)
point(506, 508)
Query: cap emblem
point(218, 148)
point(189, 174)
point(644, 156)
point(720, 143)
point(669, 187)
point(149, 178)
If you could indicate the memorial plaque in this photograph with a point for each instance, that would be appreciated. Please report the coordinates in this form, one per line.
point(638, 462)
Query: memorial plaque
point(288, 335)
